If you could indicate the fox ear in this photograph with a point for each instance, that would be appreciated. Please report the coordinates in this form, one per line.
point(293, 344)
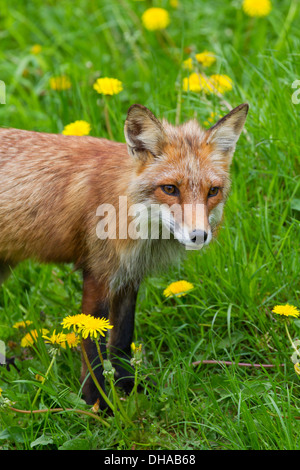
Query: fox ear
point(226, 132)
point(143, 132)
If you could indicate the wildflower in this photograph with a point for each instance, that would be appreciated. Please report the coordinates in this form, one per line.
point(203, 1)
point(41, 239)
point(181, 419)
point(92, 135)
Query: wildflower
point(39, 377)
point(1, 391)
point(36, 49)
point(72, 340)
point(212, 118)
point(220, 83)
point(257, 8)
point(197, 82)
point(286, 310)
point(155, 19)
point(188, 64)
point(92, 327)
point(60, 83)
point(87, 325)
point(32, 337)
point(56, 339)
point(297, 368)
point(108, 86)
point(134, 348)
point(22, 324)
point(174, 3)
point(77, 128)
point(206, 58)
point(178, 288)
point(75, 321)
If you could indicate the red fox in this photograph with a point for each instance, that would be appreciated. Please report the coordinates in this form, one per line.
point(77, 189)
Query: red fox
point(53, 185)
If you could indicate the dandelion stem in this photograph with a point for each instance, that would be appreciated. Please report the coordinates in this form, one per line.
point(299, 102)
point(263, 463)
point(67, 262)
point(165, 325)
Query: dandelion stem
point(44, 378)
point(289, 336)
point(99, 388)
point(107, 121)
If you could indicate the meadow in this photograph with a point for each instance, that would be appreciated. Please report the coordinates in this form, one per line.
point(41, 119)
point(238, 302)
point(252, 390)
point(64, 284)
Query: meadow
point(252, 267)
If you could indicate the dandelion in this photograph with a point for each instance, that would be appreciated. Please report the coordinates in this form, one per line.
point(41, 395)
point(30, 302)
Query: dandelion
point(206, 58)
point(257, 8)
point(286, 310)
point(60, 83)
point(92, 327)
point(212, 118)
point(221, 83)
point(135, 348)
point(36, 49)
point(297, 368)
point(75, 321)
point(22, 324)
point(178, 288)
point(32, 337)
point(56, 339)
point(188, 64)
point(72, 340)
point(87, 325)
point(108, 86)
point(77, 128)
point(1, 391)
point(39, 378)
point(197, 82)
point(155, 19)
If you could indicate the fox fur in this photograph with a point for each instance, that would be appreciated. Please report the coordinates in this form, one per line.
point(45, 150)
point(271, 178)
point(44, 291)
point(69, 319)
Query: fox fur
point(51, 186)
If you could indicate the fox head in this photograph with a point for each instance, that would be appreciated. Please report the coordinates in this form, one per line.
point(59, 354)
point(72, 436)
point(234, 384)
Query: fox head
point(183, 172)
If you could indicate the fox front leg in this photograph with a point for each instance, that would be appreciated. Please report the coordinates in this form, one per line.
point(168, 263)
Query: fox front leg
point(122, 313)
point(94, 302)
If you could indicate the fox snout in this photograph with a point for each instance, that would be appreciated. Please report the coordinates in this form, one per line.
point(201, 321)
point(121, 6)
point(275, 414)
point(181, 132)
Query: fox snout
point(198, 237)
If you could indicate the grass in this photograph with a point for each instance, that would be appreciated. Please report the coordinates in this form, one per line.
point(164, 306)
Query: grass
point(253, 265)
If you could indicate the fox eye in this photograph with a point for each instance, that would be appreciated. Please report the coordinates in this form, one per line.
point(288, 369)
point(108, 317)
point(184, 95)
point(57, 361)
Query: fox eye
point(213, 191)
point(170, 189)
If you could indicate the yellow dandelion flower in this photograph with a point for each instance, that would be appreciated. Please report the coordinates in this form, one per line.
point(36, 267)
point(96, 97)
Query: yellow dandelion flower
point(174, 3)
point(135, 348)
point(188, 64)
point(155, 19)
point(220, 83)
point(297, 368)
point(32, 337)
point(108, 86)
point(60, 83)
point(197, 82)
point(1, 391)
point(77, 128)
point(178, 288)
point(72, 340)
point(75, 321)
point(22, 324)
point(213, 117)
point(92, 327)
point(36, 49)
point(286, 310)
point(56, 339)
point(257, 8)
point(39, 377)
point(206, 58)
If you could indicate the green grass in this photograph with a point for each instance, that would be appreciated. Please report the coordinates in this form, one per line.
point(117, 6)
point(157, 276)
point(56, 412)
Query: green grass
point(253, 265)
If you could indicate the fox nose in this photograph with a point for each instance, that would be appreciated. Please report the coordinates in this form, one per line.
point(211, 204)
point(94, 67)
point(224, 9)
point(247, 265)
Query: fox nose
point(198, 236)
